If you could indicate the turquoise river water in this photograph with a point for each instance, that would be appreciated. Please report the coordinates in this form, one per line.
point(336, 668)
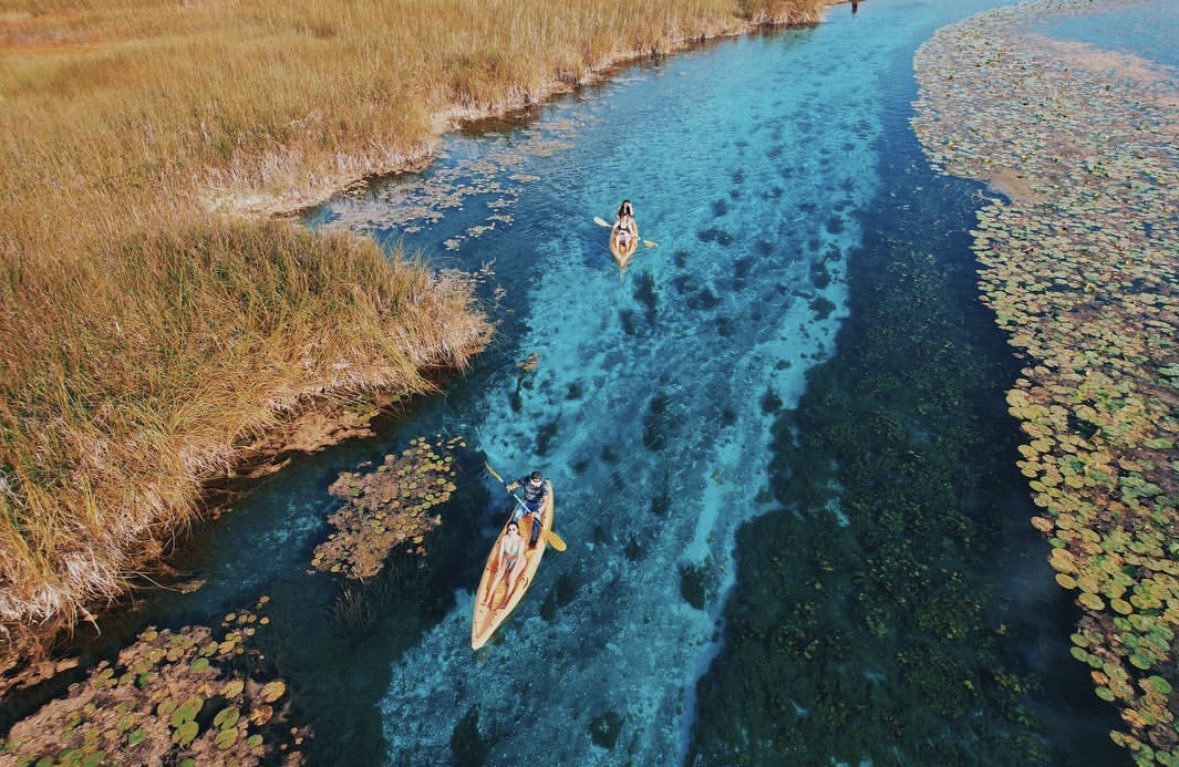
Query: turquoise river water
point(779, 445)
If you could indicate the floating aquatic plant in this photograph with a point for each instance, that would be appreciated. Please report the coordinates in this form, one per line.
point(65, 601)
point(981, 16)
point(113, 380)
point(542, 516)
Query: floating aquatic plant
point(1078, 266)
point(388, 507)
point(172, 697)
point(529, 364)
point(421, 202)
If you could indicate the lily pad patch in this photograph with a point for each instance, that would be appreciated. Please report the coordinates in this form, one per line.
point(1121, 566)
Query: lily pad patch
point(1078, 263)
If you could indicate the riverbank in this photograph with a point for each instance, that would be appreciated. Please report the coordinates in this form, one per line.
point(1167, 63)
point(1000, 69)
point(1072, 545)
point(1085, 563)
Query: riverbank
point(146, 339)
point(1078, 268)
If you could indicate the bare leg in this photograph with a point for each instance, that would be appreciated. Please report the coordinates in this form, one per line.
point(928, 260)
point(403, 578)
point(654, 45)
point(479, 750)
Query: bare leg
point(513, 577)
point(491, 587)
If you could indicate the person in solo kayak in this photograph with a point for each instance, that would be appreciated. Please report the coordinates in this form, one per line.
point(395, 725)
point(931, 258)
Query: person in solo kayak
point(625, 229)
point(535, 490)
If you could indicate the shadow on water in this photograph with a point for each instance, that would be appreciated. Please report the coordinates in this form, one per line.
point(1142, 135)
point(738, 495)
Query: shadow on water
point(898, 606)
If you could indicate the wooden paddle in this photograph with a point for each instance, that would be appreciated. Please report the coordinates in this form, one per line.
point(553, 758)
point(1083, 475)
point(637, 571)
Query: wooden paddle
point(552, 538)
point(602, 222)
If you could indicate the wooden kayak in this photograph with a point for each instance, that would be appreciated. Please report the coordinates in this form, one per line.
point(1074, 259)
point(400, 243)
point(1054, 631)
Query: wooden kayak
point(622, 256)
point(486, 620)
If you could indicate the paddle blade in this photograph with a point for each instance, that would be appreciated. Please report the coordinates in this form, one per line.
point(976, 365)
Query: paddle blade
point(492, 472)
point(601, 222)
point(650, 243)
point(556, 541)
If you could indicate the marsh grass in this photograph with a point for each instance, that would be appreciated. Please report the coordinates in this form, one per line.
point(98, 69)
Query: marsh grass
point(143, 334)
point(192, 340)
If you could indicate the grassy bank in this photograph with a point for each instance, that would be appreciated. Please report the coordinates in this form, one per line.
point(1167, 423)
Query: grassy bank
point(131, 378)
point(143, 334)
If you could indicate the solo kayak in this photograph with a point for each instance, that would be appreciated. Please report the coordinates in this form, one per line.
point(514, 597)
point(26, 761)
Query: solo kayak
point(622, 255)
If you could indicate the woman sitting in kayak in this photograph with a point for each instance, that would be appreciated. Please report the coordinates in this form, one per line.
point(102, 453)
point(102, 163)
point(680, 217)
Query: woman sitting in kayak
point(508, 565)
point(625, 229)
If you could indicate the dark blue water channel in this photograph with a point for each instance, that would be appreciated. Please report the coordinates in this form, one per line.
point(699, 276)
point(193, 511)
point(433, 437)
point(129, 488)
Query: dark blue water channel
point(779, 445)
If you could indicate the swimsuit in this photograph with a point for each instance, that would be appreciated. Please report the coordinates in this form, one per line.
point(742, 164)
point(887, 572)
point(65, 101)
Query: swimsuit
point(510, 557)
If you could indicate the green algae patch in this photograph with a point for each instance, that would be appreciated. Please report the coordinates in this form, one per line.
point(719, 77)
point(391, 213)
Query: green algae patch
point(171, 697)
point(1078, 266)
point(388, 507)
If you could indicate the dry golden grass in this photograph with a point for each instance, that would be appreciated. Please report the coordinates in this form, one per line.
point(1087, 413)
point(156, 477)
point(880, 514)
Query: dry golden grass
point(142, 333)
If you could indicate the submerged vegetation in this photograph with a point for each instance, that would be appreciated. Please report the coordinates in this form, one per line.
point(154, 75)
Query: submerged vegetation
point(183, 697)
point(861, 629)
point(388, 507)
point(143, 337)
point(1080, 270)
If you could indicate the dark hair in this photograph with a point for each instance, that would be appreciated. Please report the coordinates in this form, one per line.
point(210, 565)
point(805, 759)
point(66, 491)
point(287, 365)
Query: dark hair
point(624, 208)
point(536, 475)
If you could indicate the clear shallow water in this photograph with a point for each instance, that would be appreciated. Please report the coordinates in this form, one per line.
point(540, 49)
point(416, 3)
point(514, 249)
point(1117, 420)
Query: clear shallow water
point(1144, 28)
point(753, 163)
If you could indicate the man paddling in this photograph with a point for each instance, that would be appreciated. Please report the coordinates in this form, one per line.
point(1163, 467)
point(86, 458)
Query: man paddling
point(535, 489)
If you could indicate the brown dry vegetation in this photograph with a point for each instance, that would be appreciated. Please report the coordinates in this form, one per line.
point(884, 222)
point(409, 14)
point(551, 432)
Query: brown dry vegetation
point(143, 334)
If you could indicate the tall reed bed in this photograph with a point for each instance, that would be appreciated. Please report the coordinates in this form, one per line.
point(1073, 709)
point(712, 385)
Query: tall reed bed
point(143, 332)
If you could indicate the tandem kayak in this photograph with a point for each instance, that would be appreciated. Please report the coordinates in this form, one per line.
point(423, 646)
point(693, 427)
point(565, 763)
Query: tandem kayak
point(486, 620)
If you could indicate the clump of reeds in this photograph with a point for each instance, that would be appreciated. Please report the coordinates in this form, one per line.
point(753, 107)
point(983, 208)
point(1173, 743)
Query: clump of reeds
point(123, 392)
point(141, 335)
